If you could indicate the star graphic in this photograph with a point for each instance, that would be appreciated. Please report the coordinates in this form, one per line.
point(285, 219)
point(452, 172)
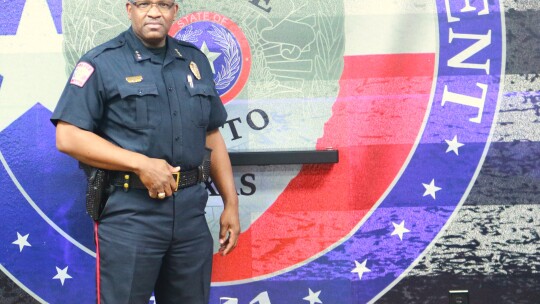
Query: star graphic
point(313, 297)
point(62, 275)
point(360, 268)
point(400, 229)
point(32, 64)
point(431, 189)
point(212, 56)
point(22, 241)
point(453, 145)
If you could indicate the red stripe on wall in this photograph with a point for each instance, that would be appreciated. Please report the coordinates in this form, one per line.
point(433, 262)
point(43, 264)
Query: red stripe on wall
point(374, 124)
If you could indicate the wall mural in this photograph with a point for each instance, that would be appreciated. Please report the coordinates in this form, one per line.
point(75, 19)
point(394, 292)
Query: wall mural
point(416, 96)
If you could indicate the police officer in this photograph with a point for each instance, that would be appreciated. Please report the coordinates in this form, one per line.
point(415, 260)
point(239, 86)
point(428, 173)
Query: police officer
point(143, 105)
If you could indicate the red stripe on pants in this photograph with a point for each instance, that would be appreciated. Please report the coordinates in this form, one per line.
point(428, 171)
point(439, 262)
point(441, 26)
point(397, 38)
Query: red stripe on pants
point(98, 277)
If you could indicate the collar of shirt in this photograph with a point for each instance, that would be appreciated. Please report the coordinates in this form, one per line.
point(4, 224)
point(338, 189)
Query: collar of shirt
point(141, 52)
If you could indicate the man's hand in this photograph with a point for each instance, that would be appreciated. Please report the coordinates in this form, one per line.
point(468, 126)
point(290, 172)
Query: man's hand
point(156, 175)
point(221, 173)
point(229, 229)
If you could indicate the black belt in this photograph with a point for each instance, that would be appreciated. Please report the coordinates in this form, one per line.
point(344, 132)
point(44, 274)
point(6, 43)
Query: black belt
point(183, 179)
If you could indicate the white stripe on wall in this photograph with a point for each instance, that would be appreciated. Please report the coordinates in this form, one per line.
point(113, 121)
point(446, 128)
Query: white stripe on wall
point(390, 27)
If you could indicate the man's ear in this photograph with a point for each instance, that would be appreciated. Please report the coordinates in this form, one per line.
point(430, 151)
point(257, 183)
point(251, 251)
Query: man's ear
point(128, 10)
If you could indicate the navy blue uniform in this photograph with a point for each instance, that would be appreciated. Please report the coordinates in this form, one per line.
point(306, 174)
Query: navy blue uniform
point(159, 107)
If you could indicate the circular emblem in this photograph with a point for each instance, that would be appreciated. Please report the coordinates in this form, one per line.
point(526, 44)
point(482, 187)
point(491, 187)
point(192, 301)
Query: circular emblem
point(225, 46)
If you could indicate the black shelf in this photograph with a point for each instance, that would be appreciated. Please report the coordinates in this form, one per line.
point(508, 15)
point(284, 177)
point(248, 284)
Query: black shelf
point(263, 158)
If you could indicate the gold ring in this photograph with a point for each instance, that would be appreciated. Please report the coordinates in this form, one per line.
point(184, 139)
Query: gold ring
point(161, 195)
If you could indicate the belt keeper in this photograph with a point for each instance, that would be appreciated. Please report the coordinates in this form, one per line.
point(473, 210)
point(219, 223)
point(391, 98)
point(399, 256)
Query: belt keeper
point(126, 183)
point(200, 176)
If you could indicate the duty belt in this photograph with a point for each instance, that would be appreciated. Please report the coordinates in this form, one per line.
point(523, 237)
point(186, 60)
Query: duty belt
point(183, 179)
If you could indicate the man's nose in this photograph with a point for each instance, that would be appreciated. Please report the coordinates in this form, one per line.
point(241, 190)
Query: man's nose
point(154, 11)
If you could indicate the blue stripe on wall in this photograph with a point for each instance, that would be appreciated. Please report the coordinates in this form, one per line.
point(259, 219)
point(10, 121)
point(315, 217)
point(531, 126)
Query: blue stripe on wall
point(55, 6)
point(10, 16)
point(11, 11)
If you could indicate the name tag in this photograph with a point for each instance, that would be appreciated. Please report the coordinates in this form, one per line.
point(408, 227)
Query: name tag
point(134, 79)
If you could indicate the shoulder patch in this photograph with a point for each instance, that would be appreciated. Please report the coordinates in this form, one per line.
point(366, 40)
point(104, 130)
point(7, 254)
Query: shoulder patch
point(185, 43)
point(82, 73)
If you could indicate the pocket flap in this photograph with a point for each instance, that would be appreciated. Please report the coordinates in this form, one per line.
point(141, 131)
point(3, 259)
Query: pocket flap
point(139, 89)
point(201, 89)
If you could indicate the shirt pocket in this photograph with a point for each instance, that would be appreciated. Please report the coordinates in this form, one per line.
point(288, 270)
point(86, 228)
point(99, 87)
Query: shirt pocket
point(199, 104)
point(140, 103)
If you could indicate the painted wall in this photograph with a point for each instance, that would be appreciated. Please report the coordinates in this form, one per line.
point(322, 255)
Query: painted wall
point(432, 104)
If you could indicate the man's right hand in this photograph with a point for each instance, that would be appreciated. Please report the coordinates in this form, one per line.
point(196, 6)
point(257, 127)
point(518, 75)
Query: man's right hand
point(156, 175)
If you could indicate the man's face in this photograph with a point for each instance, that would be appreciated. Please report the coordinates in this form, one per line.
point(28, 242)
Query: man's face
point(151, 20)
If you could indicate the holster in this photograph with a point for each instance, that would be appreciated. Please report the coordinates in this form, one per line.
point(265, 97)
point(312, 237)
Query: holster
point(97, 190)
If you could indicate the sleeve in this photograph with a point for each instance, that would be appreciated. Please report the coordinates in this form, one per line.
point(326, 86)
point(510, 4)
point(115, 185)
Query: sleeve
point(81, 102)
point(218, 114)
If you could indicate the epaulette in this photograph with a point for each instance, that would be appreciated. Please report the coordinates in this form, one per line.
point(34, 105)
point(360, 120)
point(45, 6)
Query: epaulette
point(188, 44)
point(114, 43)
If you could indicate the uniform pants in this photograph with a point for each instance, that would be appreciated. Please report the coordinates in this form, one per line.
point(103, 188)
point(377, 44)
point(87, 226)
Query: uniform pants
point(149, 245)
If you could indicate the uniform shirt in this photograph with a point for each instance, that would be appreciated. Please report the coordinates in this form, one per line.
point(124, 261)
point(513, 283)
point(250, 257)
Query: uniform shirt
point(159, 106)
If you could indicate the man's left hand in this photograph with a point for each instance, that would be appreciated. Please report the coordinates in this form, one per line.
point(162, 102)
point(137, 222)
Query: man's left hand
point(229, 229)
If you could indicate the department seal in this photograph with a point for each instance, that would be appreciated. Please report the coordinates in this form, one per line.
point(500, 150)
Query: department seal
point(225, 46)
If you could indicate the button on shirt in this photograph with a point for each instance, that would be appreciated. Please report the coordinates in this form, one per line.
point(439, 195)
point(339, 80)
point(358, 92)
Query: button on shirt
point(146, 103)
